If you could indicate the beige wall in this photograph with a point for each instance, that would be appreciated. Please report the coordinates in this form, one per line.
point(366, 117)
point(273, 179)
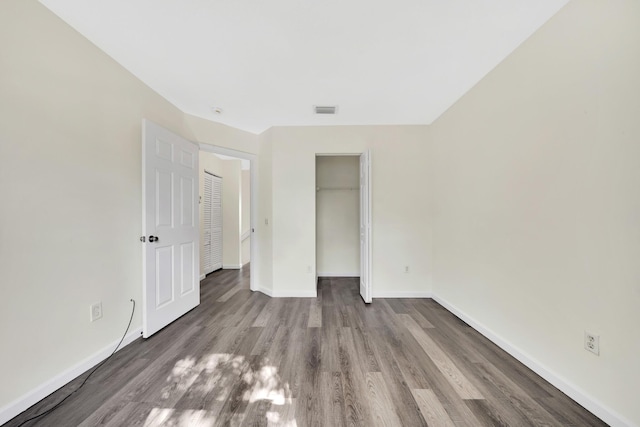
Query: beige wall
point(537, 227)
point(231, 188)
point(401, 209)
point(70, 185)
point(208, 132)
point(70, 191)
point(338, 216)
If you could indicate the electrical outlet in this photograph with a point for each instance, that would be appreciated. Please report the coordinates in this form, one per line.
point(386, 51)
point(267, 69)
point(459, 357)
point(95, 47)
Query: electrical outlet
point(406, 268)
point(95, 311)
point(592, 343)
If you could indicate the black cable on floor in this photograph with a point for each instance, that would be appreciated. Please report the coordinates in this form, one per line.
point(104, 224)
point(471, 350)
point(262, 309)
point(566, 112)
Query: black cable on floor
point(133, 309)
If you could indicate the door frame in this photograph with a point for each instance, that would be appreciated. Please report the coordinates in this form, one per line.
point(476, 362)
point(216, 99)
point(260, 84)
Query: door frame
point(253, 159)
point(368, 297)
point(370, 212)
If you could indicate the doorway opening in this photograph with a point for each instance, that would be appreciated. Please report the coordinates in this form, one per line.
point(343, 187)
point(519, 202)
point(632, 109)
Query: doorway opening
point(225, 214)
point(337, 216)
point(249, 215)
point(343, 221)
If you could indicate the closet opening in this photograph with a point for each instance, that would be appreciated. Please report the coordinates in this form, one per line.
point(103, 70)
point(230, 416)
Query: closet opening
point(337, 220)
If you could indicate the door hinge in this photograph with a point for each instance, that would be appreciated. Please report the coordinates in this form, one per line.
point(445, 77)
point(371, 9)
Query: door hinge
point(143, 239)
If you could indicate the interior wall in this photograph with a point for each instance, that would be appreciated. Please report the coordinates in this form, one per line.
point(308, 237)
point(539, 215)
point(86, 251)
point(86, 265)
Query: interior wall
point(231, 188)
point(400, 217)
point(537, 227)
point(70, 185)
point(338, 216)
point(245, 228)
point(208, 132)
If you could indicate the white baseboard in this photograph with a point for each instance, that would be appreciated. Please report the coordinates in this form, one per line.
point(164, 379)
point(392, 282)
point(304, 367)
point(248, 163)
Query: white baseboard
point(598, 409)
point(202, 277)
point(289, 294)
point(265, 291)
point(401, 294)
point(231, 266)
point(339, 274)
point(37, 394)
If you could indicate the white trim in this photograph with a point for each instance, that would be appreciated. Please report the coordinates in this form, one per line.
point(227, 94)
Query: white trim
point(37, 394)
point(231, 266)
point(370, 223)
point(402, 294)
point(600, 410)
point(352, 274)
point(289, 294)
point(202, 276)
point(245, 235)
point(266, 291)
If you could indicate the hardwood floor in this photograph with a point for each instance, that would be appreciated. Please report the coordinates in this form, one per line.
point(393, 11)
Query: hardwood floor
point(242, 358)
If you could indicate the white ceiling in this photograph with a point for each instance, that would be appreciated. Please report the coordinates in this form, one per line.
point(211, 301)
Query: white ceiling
point(266, 63)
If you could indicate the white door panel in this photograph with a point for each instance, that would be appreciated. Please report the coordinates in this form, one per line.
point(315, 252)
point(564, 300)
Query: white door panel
point(170, 223)
point(365, 226)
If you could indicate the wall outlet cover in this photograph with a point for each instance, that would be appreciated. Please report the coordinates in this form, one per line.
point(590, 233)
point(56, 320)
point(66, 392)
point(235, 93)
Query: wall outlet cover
point(95, 311)
point(592, 343)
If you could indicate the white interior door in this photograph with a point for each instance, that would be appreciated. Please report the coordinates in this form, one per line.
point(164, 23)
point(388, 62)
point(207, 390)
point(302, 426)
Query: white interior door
point(365, 226)
point(212, 223)
point(170, 222)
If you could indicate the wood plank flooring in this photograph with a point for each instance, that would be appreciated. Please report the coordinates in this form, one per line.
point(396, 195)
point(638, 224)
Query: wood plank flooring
point(244, 359)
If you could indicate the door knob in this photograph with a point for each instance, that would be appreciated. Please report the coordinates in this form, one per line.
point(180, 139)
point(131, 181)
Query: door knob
point(153, 239)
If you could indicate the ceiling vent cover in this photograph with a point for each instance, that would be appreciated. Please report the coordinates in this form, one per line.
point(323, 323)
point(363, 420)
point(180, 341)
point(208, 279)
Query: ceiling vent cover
point(325, 109)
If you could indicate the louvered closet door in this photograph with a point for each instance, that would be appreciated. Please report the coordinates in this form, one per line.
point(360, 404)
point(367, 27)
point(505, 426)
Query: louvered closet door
point(212, 223)
point(216, 223)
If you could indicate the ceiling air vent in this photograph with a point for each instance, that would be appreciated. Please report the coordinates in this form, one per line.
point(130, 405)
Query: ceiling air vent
point(325, 109)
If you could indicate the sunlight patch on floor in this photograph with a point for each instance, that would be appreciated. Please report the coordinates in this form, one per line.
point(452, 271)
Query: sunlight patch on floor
point(209, 381)
point(167, 417)
point(275, 419)
point(265, 385)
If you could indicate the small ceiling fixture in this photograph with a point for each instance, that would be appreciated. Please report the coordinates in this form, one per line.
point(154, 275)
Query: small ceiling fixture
point(325, 109)
point(216, 110)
